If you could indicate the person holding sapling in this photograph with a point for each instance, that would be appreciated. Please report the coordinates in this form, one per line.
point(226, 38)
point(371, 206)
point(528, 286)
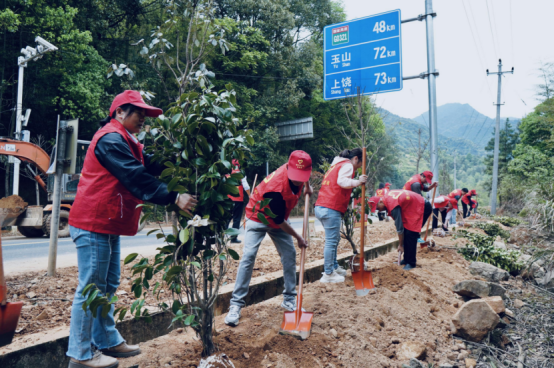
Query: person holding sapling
point(117, 177)
point(421, 182)
point(267, 212)
point(409, 211)
point(332, 203)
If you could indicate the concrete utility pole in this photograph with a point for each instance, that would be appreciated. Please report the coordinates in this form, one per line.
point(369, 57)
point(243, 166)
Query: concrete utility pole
point(497, 136)
point(432, 75)
point(455, 156)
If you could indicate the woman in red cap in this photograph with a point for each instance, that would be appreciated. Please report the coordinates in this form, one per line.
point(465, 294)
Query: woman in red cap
point(117, 176)
point(283, 187)
point(332, 203)
point(445, 206)
point(239, 200)
point(420, 182)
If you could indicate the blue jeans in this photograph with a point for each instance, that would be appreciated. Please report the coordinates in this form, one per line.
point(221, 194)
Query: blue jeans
point(98, 258)
point(255, 233)
point(331, 221)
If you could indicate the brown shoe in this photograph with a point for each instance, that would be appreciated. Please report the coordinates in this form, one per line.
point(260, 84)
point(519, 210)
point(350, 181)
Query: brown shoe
point(122, 350)
point(98, 361)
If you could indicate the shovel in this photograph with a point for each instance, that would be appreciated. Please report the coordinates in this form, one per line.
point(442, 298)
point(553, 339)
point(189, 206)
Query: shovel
point(363, 282)
point(299, 323)
point(425, 243)
point(9, 312)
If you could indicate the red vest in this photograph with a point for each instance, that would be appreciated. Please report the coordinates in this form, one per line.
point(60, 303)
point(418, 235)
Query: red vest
point(332, 195)
point(102, 204)
point(414, 179)
point(381, 192)
point(467, 198)
point(240, 197)
point(455, 192)
point(446, 201)
point(278, 182)
point(412, 205)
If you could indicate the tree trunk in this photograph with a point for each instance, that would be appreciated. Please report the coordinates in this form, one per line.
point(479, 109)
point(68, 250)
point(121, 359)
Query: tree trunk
point(206, 333)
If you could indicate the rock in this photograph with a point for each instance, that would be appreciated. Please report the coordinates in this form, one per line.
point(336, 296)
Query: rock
point(547, 280)
point(474, 320)
point(120, 292)
point(496, 303)
point(499, 244)
point(472, 289)
point(410, 349)
point(31, 294)
point(333, 332)
point(246, 356)
point(44, 315)
point(452, 355)
point(518, 303)
point(497, 290)
point(446, 365)
point(414, 363)
point(509, 313)
point(470, 363)
point(488, 272)
point(463, 355)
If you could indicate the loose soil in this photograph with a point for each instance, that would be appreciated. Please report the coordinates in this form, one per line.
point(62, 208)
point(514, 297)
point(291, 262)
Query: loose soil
point(13, 202)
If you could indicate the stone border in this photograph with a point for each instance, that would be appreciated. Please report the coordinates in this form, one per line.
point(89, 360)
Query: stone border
point(51, 354)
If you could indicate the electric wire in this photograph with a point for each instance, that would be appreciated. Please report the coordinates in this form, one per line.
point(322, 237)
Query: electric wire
point(490, 25)
point(512, 34)
point(495, 26)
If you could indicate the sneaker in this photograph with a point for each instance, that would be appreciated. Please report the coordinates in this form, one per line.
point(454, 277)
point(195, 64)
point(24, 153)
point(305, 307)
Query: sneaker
point(122, 351)
point(232, 318)
point(408, 267)
point(290, 305)
point(98, 360)
point(341, 271)
point(402, 262)
point(332, 278)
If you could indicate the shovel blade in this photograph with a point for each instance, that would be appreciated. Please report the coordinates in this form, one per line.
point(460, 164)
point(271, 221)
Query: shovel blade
point(9, 317)
point(297, 324)
point(363, 282)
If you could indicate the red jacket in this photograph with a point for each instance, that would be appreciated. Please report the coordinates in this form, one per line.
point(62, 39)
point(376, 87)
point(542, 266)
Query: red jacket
point(278, 182)
point(240, 197)
point(332, 195)
point(102, 204)
point(446, 201)
point(381, 192)
point(412, 205)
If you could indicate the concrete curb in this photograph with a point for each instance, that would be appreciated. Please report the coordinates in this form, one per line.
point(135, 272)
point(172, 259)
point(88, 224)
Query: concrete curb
point(51, 354)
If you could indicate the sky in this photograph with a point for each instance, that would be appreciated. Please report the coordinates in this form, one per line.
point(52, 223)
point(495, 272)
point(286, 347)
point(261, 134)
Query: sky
point(517, 31)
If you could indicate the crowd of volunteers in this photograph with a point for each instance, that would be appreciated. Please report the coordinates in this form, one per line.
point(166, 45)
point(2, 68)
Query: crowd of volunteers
point(118, 176)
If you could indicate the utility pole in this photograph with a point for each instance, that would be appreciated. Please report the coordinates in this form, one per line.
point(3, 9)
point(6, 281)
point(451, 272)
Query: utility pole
point(431, 79)
point(455, 156)
point(497, 136)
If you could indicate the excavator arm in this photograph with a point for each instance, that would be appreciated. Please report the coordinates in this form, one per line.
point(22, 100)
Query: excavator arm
point(27, 152)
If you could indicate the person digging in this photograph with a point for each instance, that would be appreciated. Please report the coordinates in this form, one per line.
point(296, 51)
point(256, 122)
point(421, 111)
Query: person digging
point(468, 203)
point(420, 183)
point(445, 206)
point(457, 194)
point(383, 189)
point(332, 203)
point(117, 176)
point(283, 188)
point(409, 211)
point(239, 200)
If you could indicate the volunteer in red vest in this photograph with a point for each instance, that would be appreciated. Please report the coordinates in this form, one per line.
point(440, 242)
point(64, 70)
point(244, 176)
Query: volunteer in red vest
point(445, 206)
point(332, 202)
point(283, 187)
point(468, 203)
point(409, 211)
point(116, 177)
point(420, 183)
point(239, 200)
point(381, 192)
point(456, 194)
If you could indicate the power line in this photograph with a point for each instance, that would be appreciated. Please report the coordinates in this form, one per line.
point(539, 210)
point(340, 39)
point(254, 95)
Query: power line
point(473, 36)
point(490, 25)
point(512, 34)
point(495, 26)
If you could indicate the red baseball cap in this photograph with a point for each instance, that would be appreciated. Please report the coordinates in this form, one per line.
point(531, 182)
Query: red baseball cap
point(428, 175)
point(235, 162)
point(473, 192)
point(372, 202)
point(387, 185)
point(134, 98)
point(299, 166)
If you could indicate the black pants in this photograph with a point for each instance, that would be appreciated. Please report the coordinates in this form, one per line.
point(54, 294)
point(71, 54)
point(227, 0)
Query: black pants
point(427, 212)
point(436, 212)
point(467, 208)
point(410, 247)
point(238, 208)
point(382, 215)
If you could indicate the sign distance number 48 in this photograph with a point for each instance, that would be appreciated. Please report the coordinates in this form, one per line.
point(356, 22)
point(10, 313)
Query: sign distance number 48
point(382, 26)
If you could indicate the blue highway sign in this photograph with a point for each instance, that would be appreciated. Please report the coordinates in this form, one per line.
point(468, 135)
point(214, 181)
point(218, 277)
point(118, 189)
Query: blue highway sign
point(365, 53)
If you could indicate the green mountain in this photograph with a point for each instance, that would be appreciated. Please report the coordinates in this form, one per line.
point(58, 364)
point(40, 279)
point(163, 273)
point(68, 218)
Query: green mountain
point(457, 120)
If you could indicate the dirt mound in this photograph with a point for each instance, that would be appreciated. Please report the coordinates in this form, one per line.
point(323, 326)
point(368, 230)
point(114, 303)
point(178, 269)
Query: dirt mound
point(13, 202)
point(395, 278)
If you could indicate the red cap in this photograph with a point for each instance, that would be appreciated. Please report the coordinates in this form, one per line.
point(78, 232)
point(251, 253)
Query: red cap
point(473, 192)
point(300, 166)
point(372, 203)
point(428, 175)
point(134, 98)
point(235, 162)
point(387, 185)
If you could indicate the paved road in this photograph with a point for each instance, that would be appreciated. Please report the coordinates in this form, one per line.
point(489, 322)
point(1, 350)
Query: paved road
point(31, 254)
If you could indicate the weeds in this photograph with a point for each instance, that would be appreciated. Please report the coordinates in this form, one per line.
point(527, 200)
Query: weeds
point(492, 230)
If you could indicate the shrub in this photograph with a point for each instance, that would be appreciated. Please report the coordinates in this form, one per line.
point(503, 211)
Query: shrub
point(492, 230)
point(507, 221)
